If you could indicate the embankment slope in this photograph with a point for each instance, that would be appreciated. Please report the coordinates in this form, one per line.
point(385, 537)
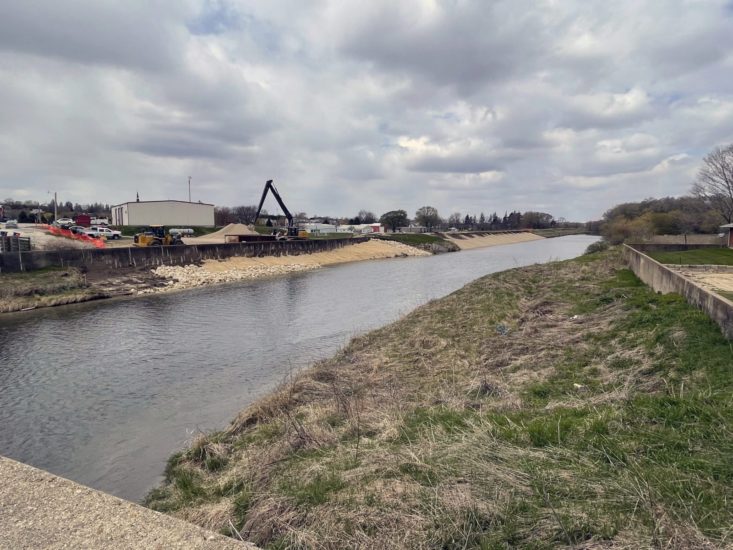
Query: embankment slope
point(467, 241)
point(556, 405)
point(245, 268)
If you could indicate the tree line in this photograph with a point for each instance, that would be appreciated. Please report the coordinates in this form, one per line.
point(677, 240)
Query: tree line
point(708, 206)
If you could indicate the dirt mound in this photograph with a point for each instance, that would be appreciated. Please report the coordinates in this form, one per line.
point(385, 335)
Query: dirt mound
point(220, 236)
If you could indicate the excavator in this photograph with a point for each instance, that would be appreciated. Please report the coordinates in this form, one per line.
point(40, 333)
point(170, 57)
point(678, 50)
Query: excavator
point(292, 229)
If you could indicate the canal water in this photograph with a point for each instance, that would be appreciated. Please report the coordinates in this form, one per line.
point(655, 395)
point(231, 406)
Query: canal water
point(104, 392)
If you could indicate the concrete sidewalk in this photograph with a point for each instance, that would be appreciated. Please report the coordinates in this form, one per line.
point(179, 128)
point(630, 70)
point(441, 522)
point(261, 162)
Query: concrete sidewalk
point(41, 510)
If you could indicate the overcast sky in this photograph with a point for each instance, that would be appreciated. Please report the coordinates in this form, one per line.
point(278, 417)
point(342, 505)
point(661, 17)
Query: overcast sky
point(564, 106)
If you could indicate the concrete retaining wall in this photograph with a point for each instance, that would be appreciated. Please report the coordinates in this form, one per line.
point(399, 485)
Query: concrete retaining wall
point(662, 247)
point(662, 279)
point(152, 257)
point(713, 239)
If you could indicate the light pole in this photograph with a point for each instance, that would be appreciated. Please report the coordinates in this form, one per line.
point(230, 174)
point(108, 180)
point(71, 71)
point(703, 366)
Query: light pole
point(189, 188)
point(55, 206)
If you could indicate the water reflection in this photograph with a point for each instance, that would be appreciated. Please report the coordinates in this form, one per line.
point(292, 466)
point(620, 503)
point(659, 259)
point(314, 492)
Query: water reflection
point(104, 392)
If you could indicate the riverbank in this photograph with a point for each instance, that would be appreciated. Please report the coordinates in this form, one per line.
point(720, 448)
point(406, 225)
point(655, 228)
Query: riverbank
point(469, 241)
point(247, 268)
point(553, 405)
point(45, 288)
point(55, 286)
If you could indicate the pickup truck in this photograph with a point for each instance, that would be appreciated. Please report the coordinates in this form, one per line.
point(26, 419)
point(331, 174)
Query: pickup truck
point(98, 231)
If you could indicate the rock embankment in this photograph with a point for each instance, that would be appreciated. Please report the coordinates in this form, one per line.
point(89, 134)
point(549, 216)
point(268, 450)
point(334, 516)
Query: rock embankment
point(243, 268)
point(189, 276)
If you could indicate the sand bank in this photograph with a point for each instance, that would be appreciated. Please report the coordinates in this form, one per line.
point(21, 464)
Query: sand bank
point(241, 268)
point(466, 241)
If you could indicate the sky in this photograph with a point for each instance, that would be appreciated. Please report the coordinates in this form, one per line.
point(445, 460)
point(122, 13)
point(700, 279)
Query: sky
point(567, 107)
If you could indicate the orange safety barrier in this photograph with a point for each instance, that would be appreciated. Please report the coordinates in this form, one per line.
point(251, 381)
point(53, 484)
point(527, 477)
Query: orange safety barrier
point(59, 232)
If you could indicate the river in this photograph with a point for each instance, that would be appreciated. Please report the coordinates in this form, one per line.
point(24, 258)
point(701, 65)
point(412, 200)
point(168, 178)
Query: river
point(104, 392)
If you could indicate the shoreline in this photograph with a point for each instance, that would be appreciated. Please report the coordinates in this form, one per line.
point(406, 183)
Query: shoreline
point(523, 409)
point(142, 282)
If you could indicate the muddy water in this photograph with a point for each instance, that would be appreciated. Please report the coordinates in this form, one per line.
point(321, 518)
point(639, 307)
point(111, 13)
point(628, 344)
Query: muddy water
point(104, 392)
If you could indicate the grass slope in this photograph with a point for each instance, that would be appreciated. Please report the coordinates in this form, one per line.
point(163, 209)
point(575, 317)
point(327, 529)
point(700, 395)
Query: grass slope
point(43, 288)
point(700, 256)
point(552, 406)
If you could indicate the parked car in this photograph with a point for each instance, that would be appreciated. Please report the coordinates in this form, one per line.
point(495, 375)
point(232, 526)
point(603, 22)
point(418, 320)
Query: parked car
point(64, 222)
point(99, 231)
point(99, 221)
point(77, 229)
point(11, 224)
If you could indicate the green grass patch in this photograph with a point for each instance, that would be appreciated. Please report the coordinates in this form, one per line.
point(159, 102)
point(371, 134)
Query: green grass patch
point(412, 238)
point(698, 256)
point(314, 491)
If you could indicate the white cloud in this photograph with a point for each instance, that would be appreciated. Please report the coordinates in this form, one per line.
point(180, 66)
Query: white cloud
point(565, 106)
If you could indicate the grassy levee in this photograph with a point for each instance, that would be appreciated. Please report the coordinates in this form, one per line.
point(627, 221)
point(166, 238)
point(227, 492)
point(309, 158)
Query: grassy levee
point(559, 232)
point(44, 288)
point(557, 405)
point(699, 256)
point(431, 243)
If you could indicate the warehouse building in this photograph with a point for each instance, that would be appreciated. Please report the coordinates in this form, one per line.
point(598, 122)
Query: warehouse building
point(177, 213)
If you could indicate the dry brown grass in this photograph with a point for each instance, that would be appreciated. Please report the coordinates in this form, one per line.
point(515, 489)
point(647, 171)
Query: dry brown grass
point(428, 433)
point(45, 288)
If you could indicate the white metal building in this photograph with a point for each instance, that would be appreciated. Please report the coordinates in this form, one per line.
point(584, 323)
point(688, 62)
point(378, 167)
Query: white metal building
point(179, 213)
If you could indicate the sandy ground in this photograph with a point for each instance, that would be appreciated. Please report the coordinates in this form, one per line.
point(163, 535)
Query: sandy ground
point(711, 280)
point(239, 269)
point(468, 241)
point(218, 237)
point(42, 240)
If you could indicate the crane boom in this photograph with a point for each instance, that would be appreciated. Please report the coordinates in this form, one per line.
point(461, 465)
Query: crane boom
point(269, 186)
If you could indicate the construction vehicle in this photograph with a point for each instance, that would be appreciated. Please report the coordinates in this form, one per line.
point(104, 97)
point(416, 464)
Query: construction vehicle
point(156, 235)
point(292, 231)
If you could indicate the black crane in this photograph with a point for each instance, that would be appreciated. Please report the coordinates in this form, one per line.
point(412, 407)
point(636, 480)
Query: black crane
point(292, 230)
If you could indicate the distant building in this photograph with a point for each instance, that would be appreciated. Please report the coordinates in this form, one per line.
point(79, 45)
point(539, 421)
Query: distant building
point(727, 232)
point(178, 213)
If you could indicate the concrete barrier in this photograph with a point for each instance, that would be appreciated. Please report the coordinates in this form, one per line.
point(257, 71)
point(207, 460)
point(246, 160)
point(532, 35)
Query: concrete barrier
point(666, 247)
point(663, 279)
point(151, 257)
point(41, 510)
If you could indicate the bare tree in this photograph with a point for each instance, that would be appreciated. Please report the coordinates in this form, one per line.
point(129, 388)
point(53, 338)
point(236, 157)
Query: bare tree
point(427, 216)
point(366, 217)
point(715, 181)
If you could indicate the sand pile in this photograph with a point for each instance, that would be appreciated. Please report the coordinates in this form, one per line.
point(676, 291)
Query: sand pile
point(218, 237)
point(466, 241)
point(241, 268)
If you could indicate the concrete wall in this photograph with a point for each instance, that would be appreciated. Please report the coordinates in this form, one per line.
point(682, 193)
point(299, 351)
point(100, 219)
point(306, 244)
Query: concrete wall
point(713, 239)
point(151, 257)
point(662, 279)
point(662, 247)
point(177, 213)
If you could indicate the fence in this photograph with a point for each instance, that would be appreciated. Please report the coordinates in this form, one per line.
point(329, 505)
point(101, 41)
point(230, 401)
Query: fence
point(12, 243)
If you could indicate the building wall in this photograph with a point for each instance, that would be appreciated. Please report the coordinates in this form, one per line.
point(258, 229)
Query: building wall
point(183, 214)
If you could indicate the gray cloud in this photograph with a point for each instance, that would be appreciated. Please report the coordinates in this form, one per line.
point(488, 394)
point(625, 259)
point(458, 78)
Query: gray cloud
point(569, 107)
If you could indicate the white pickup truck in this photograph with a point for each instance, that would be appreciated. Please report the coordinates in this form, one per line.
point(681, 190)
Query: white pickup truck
point(103, 232)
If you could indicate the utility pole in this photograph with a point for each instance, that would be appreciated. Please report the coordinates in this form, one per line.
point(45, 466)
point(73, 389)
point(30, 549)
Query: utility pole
point(55, 207)
point(189, 188)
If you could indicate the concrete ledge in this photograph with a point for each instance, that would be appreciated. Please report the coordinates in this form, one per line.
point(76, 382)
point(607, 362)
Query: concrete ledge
point(41, 510)
point(665, 280)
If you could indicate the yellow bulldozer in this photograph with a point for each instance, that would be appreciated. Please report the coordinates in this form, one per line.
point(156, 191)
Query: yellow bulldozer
point(156, 235)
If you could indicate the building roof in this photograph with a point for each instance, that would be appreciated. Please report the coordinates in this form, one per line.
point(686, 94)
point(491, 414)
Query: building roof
point(141, 202)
